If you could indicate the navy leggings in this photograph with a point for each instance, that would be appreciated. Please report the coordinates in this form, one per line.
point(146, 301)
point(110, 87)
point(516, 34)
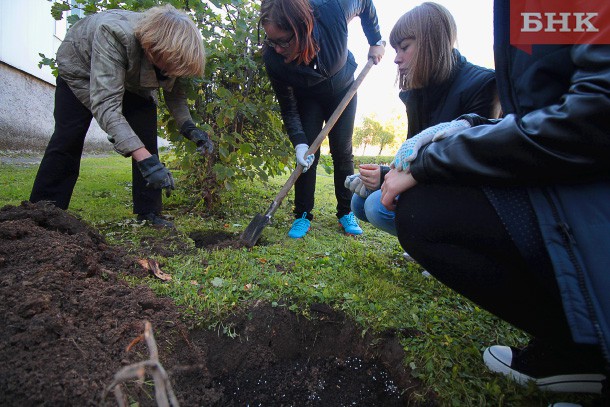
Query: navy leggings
point(60, 166)
point(455, 233)
point(314, 111)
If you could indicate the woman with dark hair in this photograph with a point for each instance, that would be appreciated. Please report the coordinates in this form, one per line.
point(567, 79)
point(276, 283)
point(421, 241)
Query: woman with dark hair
point(311, 69)
point(437, 85)
point(110, 66)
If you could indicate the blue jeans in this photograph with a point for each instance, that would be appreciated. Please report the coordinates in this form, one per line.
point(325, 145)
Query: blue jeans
point(371, 210)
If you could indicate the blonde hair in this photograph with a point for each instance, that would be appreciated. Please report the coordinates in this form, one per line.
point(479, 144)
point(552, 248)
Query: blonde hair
point(171, 39)
point(294, 16)
point(433, 28)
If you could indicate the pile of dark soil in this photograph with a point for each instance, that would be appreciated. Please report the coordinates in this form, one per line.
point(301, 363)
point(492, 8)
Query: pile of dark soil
point(68, 320)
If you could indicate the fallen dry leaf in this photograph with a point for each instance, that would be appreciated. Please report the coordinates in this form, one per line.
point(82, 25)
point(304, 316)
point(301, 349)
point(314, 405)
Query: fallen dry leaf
point(153, 266)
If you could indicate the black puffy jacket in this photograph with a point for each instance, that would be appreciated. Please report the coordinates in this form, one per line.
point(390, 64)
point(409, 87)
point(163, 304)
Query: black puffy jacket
point(469, 89)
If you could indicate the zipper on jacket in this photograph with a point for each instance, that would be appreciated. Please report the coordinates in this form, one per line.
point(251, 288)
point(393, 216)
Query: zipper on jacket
point(569, 241)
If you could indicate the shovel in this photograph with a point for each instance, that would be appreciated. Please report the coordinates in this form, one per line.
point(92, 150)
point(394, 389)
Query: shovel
point(254, 230)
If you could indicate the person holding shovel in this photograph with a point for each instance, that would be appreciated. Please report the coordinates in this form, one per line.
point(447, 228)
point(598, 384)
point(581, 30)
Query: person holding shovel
point(110, 66)
point(437, 85)
point(311, 69)
point(514, 214)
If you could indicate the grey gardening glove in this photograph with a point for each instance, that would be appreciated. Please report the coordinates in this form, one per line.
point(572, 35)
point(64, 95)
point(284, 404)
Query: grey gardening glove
point(409, 149)
point(156, 175)
point(354, 183)
point(197, 136)
point(300, 150)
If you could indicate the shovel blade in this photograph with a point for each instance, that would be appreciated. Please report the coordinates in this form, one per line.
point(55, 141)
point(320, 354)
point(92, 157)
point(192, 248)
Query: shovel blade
point(254, 230)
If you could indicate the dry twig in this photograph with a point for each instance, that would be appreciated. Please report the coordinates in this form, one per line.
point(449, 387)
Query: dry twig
point(164, 395)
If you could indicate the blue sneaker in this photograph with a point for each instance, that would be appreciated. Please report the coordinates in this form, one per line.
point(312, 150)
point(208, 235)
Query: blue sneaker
point(300, 227)
point(350, 225)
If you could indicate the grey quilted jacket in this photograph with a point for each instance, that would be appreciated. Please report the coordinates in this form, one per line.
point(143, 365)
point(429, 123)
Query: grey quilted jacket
point(99, 59)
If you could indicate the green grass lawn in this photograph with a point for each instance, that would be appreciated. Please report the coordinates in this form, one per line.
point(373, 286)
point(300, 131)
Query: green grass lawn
point(366, 277)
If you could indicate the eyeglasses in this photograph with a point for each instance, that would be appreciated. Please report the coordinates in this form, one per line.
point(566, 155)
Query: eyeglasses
point(281, 44)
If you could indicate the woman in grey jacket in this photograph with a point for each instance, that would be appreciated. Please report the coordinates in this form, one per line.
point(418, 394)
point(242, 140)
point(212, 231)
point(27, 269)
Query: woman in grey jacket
point(311, 69)
point(110, 66)
point(515, 213)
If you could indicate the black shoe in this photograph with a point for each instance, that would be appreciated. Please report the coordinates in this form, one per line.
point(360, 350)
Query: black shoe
point(550, 369)
point(155, 220)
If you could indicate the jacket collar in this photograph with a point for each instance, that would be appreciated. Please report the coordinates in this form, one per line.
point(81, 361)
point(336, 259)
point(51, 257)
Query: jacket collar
point(148, 77)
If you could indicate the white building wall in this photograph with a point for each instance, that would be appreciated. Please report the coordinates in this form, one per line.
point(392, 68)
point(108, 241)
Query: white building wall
point(27, 29)
point(27, 91)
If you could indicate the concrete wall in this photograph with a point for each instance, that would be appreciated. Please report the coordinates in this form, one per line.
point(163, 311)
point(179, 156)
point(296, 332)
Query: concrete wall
point(26, 114)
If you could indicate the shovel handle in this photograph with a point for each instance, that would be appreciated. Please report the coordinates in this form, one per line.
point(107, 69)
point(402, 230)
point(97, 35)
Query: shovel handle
point(313, 148)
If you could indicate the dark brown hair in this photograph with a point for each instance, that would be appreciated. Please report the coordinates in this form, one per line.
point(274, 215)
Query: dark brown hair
point(294, 16)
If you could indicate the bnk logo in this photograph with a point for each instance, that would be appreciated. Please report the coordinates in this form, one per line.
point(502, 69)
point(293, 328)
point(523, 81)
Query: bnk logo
point(563, 22)
point(536, 22)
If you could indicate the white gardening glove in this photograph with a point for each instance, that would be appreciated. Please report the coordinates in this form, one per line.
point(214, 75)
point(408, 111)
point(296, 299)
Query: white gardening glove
point(300, 150)
point(362, 191)
point(409, 149)
point(354, 183)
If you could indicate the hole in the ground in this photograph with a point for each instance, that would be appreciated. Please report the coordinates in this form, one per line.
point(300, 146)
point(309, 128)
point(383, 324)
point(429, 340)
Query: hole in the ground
point(271, 356)
point(211, 239)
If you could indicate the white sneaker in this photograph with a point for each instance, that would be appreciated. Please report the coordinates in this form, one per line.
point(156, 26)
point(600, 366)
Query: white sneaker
point(545, 367)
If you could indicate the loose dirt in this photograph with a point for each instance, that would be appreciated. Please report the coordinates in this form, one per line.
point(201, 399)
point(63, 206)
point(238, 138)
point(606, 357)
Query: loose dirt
point(68, 319)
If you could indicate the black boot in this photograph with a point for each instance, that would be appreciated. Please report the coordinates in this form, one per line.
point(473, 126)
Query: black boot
point(155, 220)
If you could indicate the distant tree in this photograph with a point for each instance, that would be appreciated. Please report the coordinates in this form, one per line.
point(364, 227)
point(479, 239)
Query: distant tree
point(383, 139)
point(373, 133)
point(365, 134)
point(397, 126)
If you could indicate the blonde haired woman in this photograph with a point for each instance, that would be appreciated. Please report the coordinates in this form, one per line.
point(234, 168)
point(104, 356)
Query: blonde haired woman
point(437, 85)
point(110, 67)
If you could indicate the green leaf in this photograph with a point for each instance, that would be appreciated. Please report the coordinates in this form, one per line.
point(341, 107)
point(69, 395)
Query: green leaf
point(57, 10)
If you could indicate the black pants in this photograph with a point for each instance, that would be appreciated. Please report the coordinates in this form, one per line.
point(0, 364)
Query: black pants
point(456, 234)
point(314, 112)
point(60, 165)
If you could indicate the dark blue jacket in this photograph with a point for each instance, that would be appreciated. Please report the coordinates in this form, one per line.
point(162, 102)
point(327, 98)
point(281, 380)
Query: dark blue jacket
point(333, 67)
point(469, 89)
point(555, 140)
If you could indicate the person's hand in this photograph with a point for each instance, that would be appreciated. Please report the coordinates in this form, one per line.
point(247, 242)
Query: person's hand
point(197, 136)
point(370, 175)
point(376, 52)
point(202, 141)
point(156, 175)
point(300, 151)
point(395, 183)
point(354, 183)
point(409, 149)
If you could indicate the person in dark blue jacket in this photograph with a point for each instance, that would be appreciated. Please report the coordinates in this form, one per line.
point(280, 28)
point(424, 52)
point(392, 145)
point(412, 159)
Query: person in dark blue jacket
point(311, 69)
point(515, 213)
point(437, 85)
